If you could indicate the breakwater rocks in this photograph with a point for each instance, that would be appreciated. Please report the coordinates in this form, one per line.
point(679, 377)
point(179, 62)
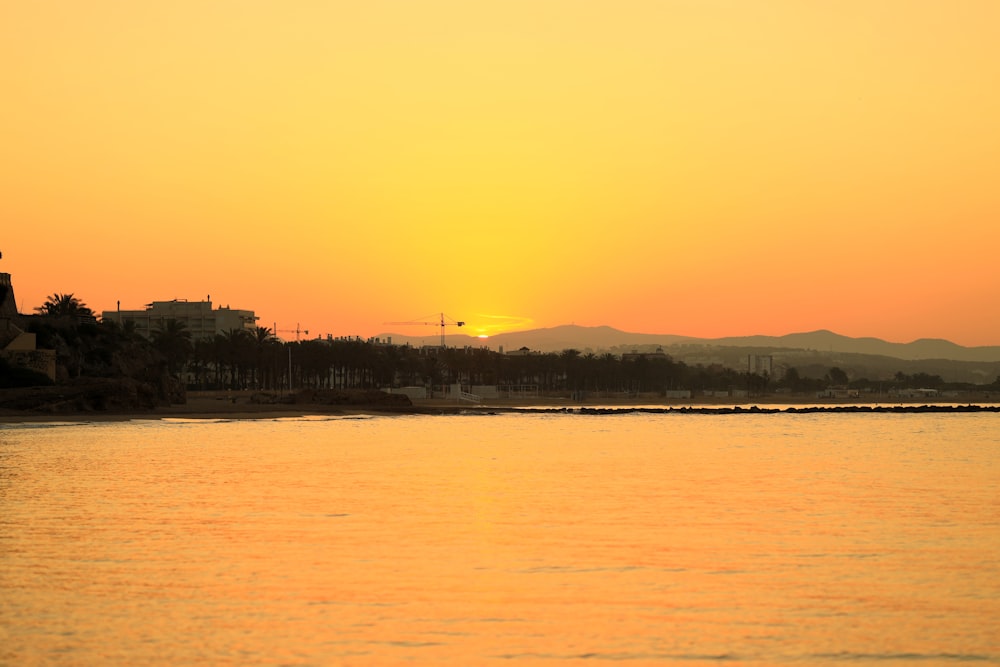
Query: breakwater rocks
point(755, 410)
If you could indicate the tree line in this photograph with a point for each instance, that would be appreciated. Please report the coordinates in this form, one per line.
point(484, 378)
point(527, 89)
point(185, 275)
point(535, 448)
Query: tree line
point(255, 359)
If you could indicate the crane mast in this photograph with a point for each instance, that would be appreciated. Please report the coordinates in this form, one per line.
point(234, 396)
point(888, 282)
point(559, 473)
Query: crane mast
point(442, 321)
point(297, 331)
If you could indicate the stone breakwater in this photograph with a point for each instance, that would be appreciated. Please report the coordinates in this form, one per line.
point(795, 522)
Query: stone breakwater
point(753, 409)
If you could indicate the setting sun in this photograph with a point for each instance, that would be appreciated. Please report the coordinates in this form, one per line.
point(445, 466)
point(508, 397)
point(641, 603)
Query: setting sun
point(667, 167)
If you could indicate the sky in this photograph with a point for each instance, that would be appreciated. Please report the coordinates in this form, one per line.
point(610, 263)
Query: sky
point(693, 167)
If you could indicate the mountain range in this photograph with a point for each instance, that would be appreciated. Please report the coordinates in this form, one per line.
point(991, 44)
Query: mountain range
point(812, 354)
point(603, 339)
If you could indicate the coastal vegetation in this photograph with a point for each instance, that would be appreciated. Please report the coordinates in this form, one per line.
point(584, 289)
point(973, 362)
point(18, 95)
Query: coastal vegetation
point(257, 360)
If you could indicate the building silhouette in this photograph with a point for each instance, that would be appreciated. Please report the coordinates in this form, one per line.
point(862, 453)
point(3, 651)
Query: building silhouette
point(17, 346)
point(198, 317)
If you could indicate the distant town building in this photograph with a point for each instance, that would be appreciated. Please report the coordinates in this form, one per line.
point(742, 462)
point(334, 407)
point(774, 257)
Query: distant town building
point(838, 392)
point(636, 355)
point(198, 317)
point(761, 364)
point(677, 393)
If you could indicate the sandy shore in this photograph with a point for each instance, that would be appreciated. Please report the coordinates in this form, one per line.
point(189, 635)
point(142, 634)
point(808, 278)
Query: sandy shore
point(236, 405)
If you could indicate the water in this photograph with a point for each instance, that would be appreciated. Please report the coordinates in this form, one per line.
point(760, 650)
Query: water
point(505, 539)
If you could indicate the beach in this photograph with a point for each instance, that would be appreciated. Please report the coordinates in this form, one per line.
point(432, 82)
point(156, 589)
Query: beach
point(247, 405)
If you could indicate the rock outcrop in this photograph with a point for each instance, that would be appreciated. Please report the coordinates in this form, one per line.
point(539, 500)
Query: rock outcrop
point(85, 395)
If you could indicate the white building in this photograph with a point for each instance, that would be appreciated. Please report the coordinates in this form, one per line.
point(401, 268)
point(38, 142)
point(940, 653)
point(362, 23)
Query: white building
point(198, 317)
point(761, 364)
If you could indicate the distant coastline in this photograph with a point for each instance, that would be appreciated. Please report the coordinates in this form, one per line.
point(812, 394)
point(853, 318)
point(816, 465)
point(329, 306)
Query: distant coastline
point(239, 405)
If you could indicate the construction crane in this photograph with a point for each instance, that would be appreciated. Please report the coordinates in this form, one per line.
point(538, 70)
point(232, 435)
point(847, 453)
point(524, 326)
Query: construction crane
point(275, 330)
point(442, 321)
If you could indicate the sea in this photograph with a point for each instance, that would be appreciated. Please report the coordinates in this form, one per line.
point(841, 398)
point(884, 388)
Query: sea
point(503, 539)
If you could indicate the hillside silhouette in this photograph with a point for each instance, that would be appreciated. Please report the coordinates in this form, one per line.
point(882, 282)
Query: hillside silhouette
point(606, 338)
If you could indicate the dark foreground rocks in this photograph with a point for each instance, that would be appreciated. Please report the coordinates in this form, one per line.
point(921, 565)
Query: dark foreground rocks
point(86, 395)
point(107, 398)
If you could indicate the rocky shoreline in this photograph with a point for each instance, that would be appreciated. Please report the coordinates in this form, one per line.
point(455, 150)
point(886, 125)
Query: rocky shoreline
point(121, 399)
point(117, 400)
point(804, 409)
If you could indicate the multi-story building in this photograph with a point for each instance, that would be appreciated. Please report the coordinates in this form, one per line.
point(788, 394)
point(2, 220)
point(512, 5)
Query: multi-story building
point(198, 317)
point(761, 364)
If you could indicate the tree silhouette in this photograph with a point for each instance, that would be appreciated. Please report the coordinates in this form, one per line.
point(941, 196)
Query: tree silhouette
point(837, 377)
point(202, 359)
point(173, 341)
point(64, 305)
point(263, 341)
point(235, 349)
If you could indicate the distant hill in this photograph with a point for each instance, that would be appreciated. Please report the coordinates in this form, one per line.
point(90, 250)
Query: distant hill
point(608, 339)
point(571, 336)
point(827, 341)
point(811, 354)
point(553, 339)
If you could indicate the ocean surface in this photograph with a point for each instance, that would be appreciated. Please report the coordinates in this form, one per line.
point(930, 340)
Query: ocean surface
point(753, 539)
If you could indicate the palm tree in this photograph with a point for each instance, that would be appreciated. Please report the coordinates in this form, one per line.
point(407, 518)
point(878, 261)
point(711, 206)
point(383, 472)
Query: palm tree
point(238, 351)
point(173, 341)
point(610, 372)
point(202, 360)
point(569, 361)
point(262, 339)
point(64, 305)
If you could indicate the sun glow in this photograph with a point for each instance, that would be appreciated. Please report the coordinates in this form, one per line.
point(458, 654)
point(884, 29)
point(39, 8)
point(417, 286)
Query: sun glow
point(669, 168)
point(490, 325)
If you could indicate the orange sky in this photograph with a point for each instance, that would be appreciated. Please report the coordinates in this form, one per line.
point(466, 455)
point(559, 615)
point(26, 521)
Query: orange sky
point(691, 167)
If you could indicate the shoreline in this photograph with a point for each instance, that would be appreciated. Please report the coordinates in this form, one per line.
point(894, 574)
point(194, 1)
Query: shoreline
point(232, 408)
